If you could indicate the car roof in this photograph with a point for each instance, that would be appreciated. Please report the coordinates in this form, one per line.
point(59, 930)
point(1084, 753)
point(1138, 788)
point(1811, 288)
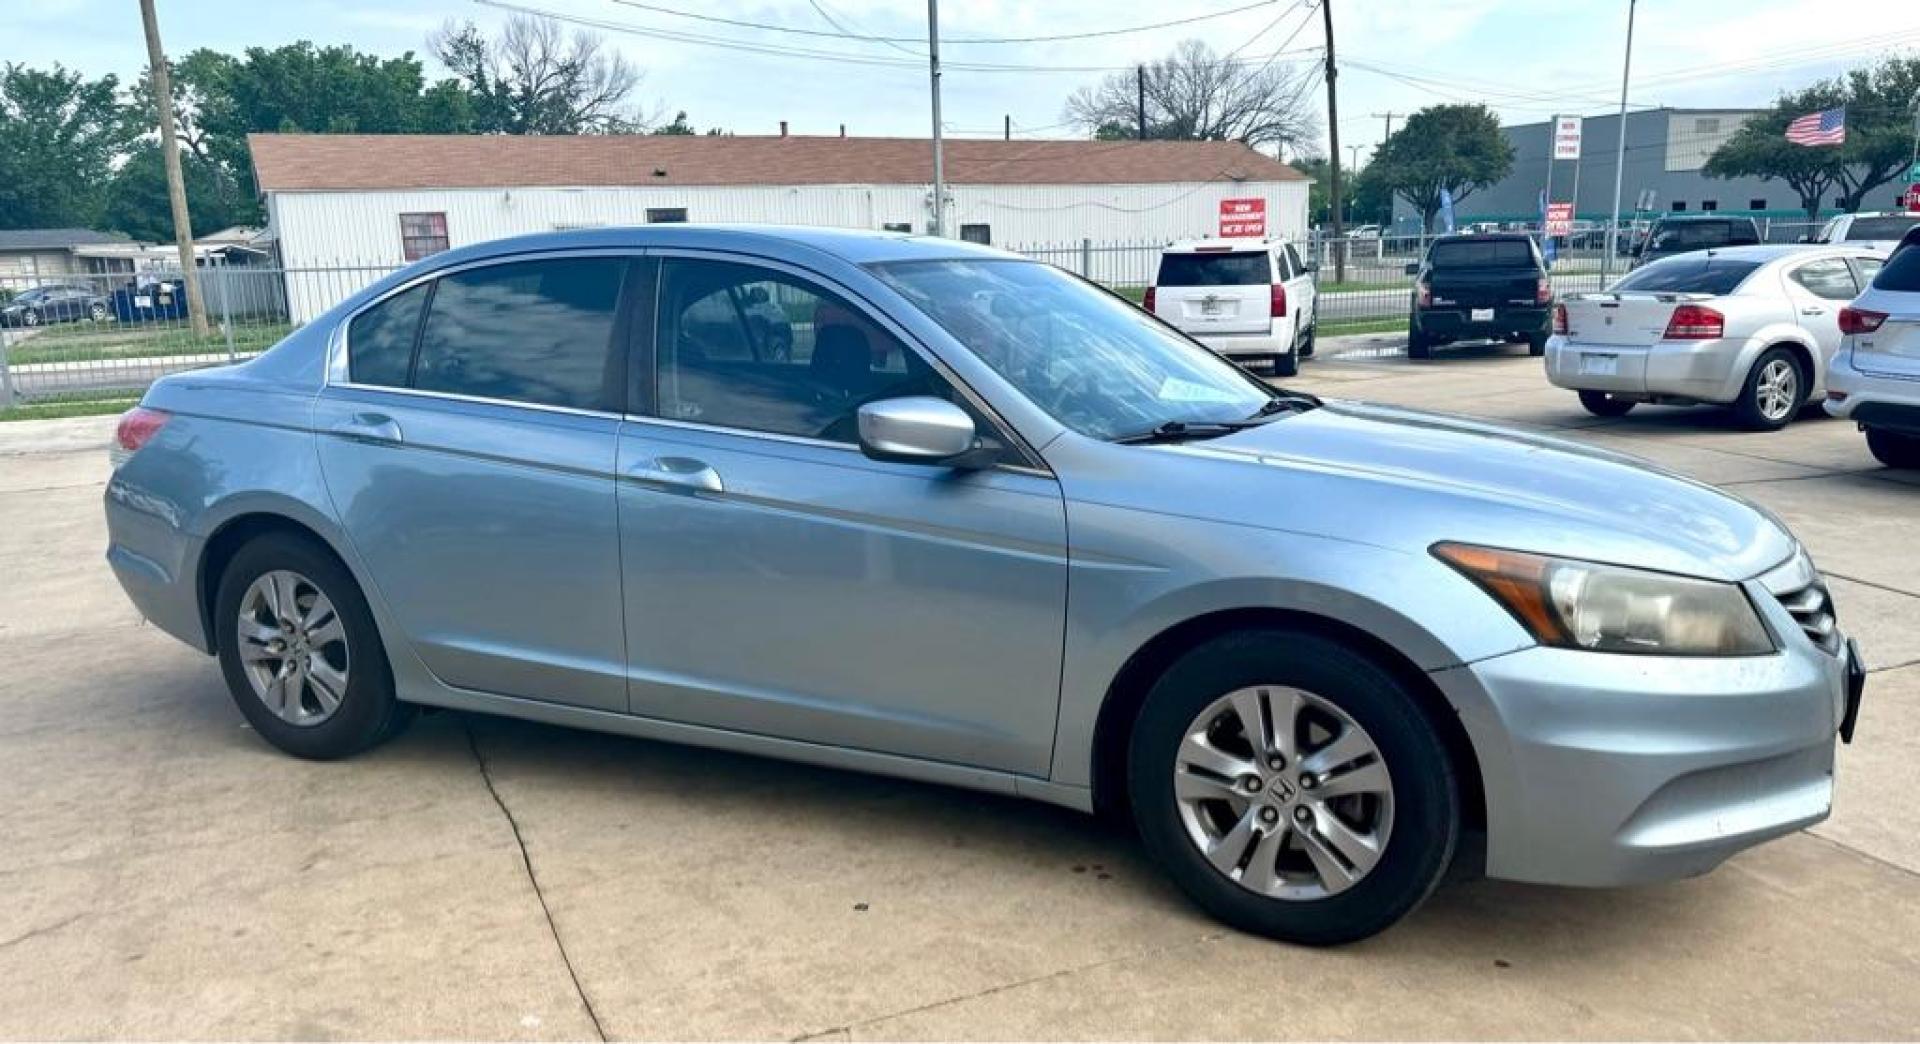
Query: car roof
point(1484, 237)
point(1701, 219)
point(1762, 253)
point(1244, 243)
point(858, 246)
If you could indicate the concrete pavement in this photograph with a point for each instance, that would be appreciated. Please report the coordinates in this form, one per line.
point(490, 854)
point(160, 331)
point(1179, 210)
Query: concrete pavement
point(168, 875)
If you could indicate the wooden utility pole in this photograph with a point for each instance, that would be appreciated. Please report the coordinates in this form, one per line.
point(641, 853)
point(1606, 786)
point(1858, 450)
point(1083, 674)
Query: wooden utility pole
point(176, 183)
point(1333, 162)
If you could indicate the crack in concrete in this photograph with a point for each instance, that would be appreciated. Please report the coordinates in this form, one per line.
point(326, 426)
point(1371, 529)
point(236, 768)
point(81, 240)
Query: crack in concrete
point(45, 929)
point(989, 991)
point(526, 860)
point(1888, 588)
point(1863, 854)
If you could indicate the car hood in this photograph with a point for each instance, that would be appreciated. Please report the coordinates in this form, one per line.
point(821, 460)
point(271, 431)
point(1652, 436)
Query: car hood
point(1406, 479)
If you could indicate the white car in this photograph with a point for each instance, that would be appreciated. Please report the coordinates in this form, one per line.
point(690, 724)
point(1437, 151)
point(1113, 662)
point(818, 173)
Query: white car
point(1878, 231)
point(1250, 300)
point(1751, 327)
point(1875, 380)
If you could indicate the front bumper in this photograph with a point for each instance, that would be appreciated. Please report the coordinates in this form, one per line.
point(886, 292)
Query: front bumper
point(1608, 770)
point(1696, 371)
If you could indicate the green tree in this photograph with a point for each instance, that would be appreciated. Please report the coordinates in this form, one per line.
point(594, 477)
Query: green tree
point(1317, 170)
point(59, 136)
point(1443, 149)
point(1371, 198)
point(136, 199)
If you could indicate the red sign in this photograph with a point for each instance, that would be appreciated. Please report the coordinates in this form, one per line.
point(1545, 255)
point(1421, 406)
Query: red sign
point(1243, 218)
point(1559, 219)
point(1911, 198)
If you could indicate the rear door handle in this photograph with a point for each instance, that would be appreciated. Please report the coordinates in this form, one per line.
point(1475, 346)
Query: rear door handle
point(683, 473)
point(370, 427)
point(1813, 311)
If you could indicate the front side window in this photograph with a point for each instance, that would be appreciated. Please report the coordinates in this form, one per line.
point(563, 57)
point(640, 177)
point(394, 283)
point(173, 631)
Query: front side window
point(533, 331)
point(753, 348)
point(1829, 278)
point(380, 339)
point(1089, 359)
point(422, 235)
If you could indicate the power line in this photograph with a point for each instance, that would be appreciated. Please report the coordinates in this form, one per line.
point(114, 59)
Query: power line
point(820, 8)
point(844, 33)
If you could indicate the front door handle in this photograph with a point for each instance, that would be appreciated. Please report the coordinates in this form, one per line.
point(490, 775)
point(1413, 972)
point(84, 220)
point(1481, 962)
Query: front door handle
point(679, 472)
point(370, 427)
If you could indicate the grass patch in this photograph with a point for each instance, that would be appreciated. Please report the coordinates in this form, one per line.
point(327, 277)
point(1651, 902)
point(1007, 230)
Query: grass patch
point(56, 410)
point(89, 342)
point(1361, 326)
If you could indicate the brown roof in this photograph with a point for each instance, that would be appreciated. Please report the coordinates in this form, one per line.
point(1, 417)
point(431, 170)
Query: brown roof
point(295, 162)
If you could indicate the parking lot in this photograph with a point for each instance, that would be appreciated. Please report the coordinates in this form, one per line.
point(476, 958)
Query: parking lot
point(169, 875)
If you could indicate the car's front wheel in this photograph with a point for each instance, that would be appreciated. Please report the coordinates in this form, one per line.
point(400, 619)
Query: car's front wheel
point(97, 312)
point(29, 317)
point(300, 650)
point(1292, 787)
point(1306, 343)
point(1894, 449)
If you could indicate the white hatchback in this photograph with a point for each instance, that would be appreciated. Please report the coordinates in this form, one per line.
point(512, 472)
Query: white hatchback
point(1250, 300)
point(1750, 327)
point(1875, 380)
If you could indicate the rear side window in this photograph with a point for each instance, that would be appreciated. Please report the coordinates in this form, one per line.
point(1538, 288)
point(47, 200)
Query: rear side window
point(1237, 269)
point(1902, 271)
point(380, 339)
point(1688, 276)
point(1830, 278)
point(1880, 228)
point(1496, 253)
point(535, 331)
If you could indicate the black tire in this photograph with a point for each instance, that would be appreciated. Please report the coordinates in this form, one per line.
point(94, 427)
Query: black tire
point(1749, 407)
point(97, 312)
point(1537, 344)
point(1602, 404)
point(1418, 346)
point(1286, 365)
point(1306, 346)
point(1894, 449)
point(1425, 791)
point(368, 713)
point(29, 318)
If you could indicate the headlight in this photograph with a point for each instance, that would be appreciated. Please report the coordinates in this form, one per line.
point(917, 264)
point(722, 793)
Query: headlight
point(1584, 605)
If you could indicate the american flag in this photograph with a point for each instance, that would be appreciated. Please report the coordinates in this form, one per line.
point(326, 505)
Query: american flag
point(1819, 128)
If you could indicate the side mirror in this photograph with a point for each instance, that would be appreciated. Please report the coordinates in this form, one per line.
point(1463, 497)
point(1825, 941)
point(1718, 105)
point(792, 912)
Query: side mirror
point(919, 429)
point(1413, 268)
point(1310, 266)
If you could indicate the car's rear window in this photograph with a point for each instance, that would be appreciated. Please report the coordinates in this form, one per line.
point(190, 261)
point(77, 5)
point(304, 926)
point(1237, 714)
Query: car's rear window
point(1693, 235)
point(1687, 275)
point(1890, 227)
point(1902, 271)
point(1494, 253)
point(1235, 269)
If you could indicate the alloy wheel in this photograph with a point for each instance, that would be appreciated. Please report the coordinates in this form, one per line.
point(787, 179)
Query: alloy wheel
point(1283, 793)
point(1778, 390)
point(293, 647)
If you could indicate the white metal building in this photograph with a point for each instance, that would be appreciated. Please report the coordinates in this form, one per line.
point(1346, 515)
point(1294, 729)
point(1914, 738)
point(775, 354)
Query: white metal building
point(372, 202)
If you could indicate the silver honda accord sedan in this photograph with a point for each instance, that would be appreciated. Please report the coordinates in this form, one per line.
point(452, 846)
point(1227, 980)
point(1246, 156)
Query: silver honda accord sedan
point(929, 509)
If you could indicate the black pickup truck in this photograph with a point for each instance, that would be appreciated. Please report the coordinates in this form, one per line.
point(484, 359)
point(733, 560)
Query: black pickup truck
point(1479, 287)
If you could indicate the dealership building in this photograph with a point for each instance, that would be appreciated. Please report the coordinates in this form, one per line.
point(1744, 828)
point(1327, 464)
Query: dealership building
point(1665, 151)
point(360, 204)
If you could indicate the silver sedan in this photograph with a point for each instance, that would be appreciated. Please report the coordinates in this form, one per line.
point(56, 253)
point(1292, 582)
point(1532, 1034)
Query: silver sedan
point(976, 521)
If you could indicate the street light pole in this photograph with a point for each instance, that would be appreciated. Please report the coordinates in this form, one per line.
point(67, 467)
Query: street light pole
point(1620, 152)
point(939, 225)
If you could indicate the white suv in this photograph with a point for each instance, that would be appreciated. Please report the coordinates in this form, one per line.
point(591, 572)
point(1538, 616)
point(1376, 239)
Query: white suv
point(1880, 230)
point(1247, 299)
point(1875, 380)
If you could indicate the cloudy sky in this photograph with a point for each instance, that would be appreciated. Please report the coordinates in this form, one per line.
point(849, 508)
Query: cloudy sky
point(1528, 58)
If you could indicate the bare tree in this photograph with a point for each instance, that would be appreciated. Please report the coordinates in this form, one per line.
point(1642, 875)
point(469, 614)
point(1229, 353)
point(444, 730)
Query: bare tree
point(537, 79)
point(1194, 93)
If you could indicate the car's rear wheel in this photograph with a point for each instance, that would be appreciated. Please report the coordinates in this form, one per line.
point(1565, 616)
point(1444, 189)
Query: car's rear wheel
point(1537, 344)
point(29, 318)
point(1286, 365)
point(1603, 404)
point(300, 650)
point(1774, 391)
point(1894, 449)
point(1418, 346)
point(1292, 787)
point(97, 312)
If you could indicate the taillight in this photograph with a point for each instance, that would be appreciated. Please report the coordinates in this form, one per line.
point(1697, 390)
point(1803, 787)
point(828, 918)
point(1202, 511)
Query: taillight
point(1695, 323)
point(1423, 295)
point(1147, 301)
point(138, 426)
point(1542, 291)
point(1560, 319)
point(1277, 307)
point(1859, 320)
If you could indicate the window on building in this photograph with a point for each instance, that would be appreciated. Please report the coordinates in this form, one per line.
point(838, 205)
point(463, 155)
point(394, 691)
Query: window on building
point(1756, 204)
point(1706, 125)
point(1709, 204)
point(1679, 206)
point(982, 234)
point(422, 235)
point(898, 226)
point(534, 331)
point(380, 339)
point(666, 215)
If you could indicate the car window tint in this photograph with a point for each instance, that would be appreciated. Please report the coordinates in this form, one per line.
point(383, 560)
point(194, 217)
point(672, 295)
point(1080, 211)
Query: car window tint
point(1889, 227)
point(1233, 269)
point(1865, 268)
point(1504, 253)
point(1293, 260)
point(1693, 235)
point(534, 331)
point(1829, 278)
point(746, 347)
point(380, 339)
point(1901, 272)
point(1687, 275)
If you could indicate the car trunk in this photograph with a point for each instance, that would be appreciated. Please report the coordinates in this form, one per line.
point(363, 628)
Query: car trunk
point(1893, 350)
point(1216, 293)
point(1626, 320)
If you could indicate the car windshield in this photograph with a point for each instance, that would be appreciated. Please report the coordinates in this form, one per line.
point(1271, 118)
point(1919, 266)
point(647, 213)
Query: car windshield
point(1874, 228)
point(1214, 269)
point(33, 295)
point(1687, 275)
point(1485, 253)
point(1095, 363)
